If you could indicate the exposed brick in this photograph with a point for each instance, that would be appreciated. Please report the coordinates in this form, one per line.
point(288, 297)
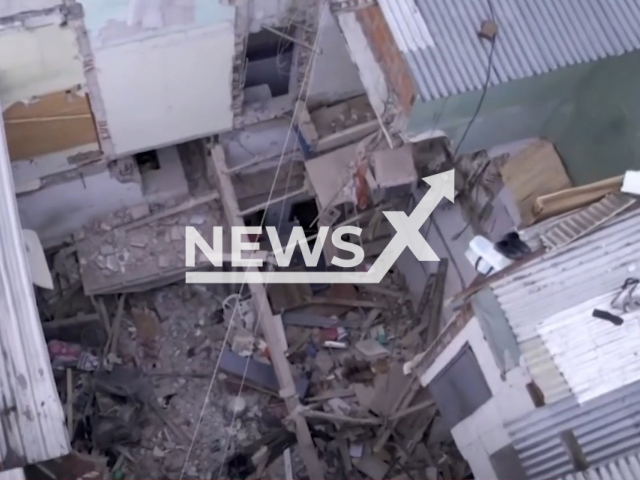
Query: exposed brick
point(387, 55)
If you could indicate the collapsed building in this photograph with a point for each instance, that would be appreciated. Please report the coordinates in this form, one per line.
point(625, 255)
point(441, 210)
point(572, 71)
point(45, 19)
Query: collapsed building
point(125, 123)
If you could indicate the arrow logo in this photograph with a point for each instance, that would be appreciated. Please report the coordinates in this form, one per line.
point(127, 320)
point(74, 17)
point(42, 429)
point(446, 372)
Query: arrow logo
point(407, 236)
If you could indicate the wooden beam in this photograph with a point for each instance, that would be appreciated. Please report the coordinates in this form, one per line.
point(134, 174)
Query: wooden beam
point(273, 330)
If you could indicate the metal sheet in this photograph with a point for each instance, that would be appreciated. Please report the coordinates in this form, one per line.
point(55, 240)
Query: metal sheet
point(32, 427)
point(594, 265)
point(606, 428)
point(593, 355)
point(535, 37)
point(625, 468)
point(589, 268)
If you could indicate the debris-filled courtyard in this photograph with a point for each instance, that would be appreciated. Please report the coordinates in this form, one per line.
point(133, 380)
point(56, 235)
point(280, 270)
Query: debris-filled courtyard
point(309, 239)
point(179, 381)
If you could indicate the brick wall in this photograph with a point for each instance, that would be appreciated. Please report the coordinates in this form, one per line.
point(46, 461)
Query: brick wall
point(388, 55)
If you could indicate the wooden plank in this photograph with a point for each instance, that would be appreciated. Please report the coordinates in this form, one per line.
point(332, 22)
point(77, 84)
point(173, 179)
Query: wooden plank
point(569, 199)
point(270, 327)
point(55, 122)
point(534, 172)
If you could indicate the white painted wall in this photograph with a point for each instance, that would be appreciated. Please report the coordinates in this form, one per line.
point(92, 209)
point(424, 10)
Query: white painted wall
point(334, 76)
point(482, 433)
point(371, 75)
point(270, 12)
point(167, 89)
point(26, 172)
point(38, 61)
point(59, 210)
point(267, 139)
point(12, 7)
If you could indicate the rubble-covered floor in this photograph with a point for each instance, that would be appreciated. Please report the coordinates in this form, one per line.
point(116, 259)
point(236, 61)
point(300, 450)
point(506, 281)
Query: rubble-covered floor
point(136, 370)
point(175, 335)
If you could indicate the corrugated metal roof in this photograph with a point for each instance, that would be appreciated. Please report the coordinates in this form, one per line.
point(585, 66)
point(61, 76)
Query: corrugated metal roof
point(594, 356)
point(535, 37)
point(606, 428)
point(32, 427)
point(591, 267)
point(624, 468)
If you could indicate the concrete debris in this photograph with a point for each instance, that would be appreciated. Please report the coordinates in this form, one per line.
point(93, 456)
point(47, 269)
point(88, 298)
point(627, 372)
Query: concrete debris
point(164, 358)
point(170, 362)
point(372, 466)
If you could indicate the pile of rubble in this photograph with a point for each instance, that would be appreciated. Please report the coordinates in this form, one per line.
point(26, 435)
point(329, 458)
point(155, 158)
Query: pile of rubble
point(136, 373)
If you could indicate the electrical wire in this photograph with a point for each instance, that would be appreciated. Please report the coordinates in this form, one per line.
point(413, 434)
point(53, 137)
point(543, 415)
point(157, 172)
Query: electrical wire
point(304, 85)
point(485, 88)
point(235, 309)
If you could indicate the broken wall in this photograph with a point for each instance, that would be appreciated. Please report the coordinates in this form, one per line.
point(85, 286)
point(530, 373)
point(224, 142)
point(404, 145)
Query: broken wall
point(371, 74)
point(45, 108)
point(273, 13)
point(13, 7)
point(334, 76)
point(164, 69)
point(61, 209)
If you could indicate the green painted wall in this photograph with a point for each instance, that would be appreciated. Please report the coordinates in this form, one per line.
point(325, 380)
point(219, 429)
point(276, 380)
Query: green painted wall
point(599, 136)
point(591, 112)
point(511, 111)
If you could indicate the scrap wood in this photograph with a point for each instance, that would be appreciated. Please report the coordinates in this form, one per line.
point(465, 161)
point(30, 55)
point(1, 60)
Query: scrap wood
point(340, 393)
point(346, 302)
point(372, 316)
point(69, 405)
point(343, 448)
point(102, 311)
point(429, 308)
point(434, 315)
point(300, 342)
point(341, 418)
point(569, 199)
point(269, 326)
point(311, 320)
point(403, 401)
point(409, 410)
point(380, 290)
point(112, 342)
